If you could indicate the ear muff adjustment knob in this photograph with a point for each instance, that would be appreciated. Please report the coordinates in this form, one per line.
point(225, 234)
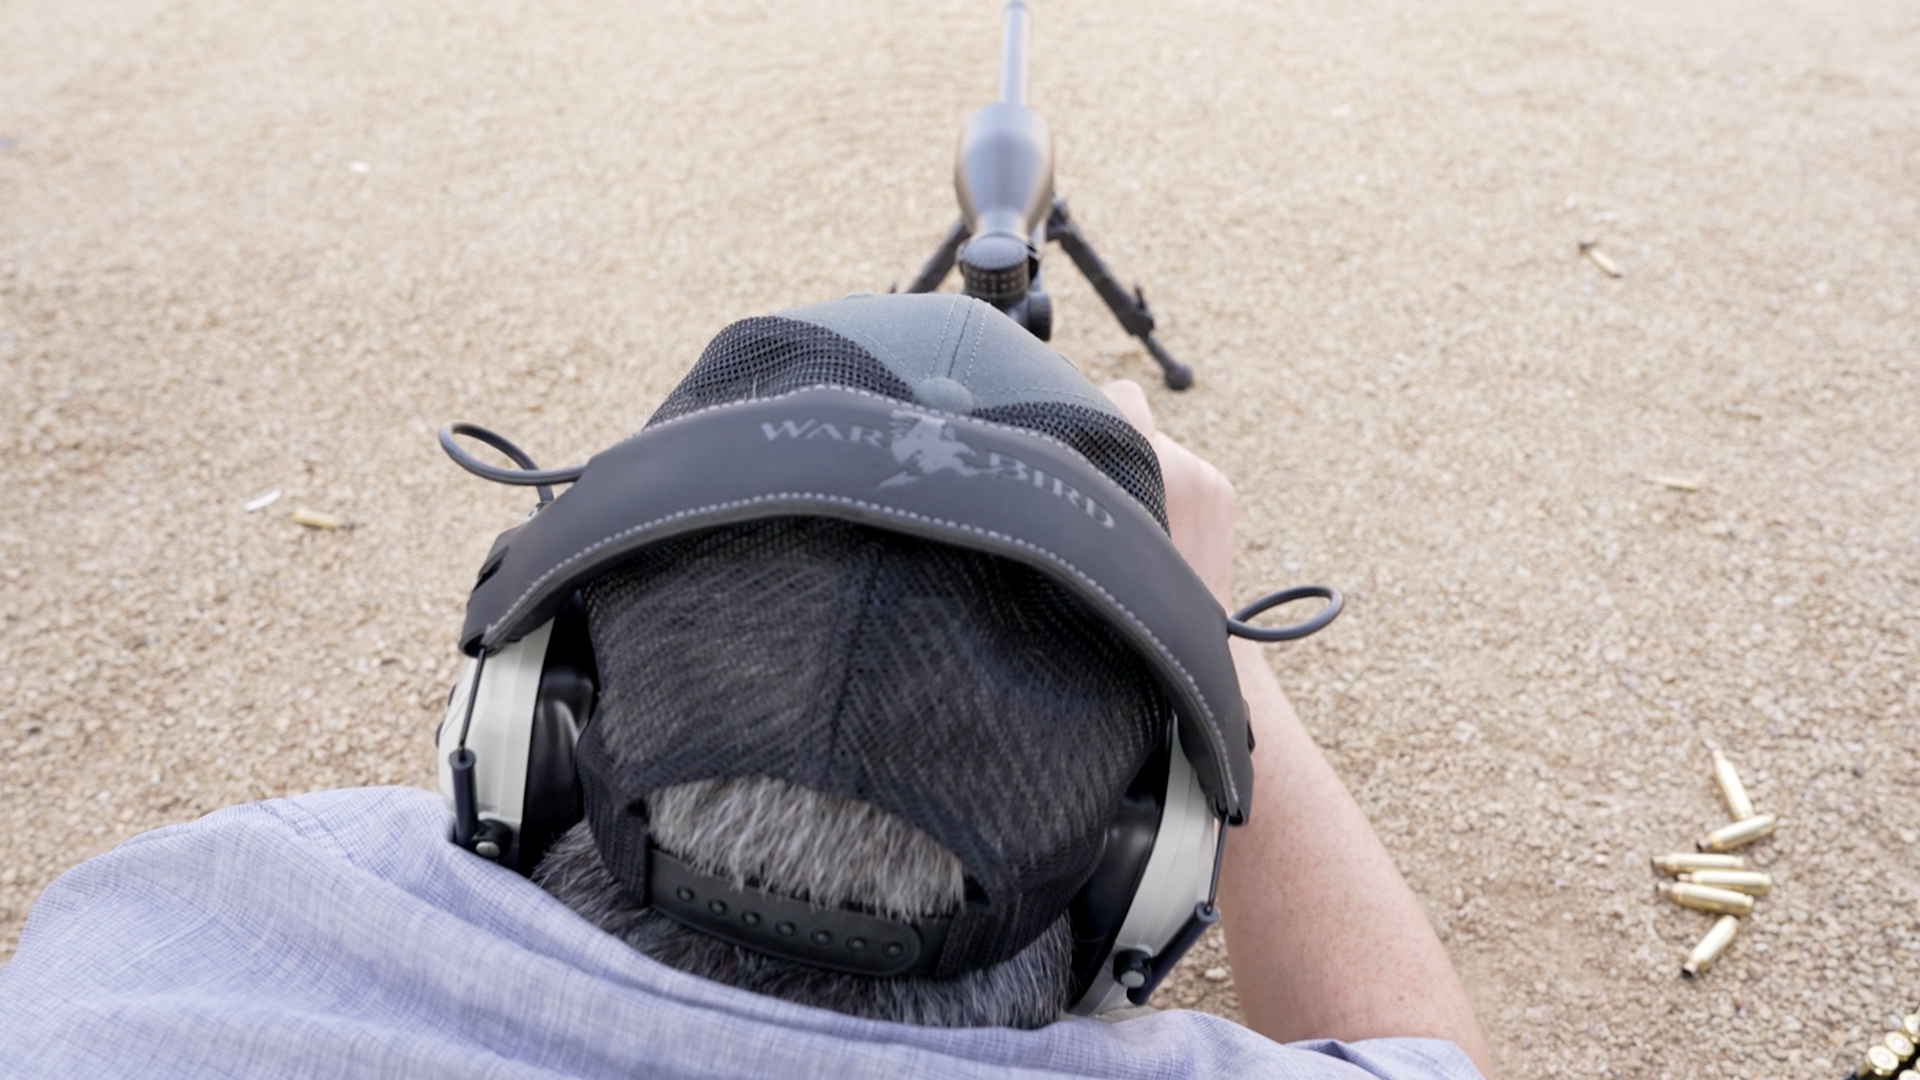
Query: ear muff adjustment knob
point(1130, 968)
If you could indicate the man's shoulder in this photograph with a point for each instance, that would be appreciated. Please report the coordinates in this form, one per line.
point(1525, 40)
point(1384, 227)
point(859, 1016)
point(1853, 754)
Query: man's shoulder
point(339, 933)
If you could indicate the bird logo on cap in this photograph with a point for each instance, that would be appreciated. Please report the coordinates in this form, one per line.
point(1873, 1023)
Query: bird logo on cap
point(925, 445)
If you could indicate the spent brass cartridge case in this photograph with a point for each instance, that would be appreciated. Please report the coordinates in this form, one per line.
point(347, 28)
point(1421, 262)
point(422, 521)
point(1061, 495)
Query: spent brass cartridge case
point(1706, 898)
point(1731, 789)
point(1738, 834)
point(1880, 1064)
point(1687, 862)
point(1901, 1046)
point(314, 519)
point(1591, 249)
point(1751, 882)
point(1710, 947)
point(1910, 1027)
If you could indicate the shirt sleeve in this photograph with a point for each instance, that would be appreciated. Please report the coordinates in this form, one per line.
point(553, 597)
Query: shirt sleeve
point(1398, 1058)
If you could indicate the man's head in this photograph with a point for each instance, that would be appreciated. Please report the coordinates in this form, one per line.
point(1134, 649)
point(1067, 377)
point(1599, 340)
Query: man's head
point(948, 686)
point(889, 566)
point(825, 697)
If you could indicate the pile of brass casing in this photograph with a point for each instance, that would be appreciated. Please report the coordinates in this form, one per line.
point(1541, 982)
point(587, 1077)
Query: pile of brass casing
point(1713, 880)
point(1893, 1054)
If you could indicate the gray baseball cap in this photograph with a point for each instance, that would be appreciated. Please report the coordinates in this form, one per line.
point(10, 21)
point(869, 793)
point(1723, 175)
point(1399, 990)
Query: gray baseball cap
point(895, 548)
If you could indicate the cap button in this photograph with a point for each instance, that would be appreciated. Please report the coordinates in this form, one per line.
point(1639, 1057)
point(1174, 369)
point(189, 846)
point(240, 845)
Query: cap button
point(945, 395)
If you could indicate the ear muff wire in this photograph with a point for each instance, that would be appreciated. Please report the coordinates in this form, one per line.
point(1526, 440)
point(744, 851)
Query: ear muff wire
point(527, 475)
point(1238, 626)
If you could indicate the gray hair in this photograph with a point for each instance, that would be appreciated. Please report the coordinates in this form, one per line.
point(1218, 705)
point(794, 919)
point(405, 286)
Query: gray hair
point(830, 850)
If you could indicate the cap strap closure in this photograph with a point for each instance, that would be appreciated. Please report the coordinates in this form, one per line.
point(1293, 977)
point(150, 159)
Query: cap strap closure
point(836, 939)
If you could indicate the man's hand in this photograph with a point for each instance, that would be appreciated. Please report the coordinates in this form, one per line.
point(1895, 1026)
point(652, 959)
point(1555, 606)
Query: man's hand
point(1200, 499)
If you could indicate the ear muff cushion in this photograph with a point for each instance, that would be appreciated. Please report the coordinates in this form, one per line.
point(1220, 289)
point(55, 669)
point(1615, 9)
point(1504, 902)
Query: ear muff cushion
point(568, 687)
point(1101, 906)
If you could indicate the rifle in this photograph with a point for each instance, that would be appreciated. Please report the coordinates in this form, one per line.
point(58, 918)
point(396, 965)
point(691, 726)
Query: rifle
point(1009, 211)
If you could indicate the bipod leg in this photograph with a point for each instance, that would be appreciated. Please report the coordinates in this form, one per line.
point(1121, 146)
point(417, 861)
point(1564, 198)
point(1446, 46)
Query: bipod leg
point(1130, 308)
point(941, 264)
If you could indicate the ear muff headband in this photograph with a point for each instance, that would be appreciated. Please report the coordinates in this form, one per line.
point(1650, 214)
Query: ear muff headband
point(832, 452)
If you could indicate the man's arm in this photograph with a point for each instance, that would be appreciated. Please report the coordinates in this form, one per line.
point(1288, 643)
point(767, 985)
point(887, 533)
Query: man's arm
point(1326, 939)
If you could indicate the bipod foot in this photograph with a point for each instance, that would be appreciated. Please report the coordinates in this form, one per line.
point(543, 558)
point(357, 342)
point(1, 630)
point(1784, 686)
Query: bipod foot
point(1178, 376)
point(1130, 308)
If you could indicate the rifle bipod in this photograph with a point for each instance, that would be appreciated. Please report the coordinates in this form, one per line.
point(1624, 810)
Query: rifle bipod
point(1009, 211)
point(1034, 310)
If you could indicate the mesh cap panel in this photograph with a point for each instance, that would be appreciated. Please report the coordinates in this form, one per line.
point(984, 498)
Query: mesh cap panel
point(770, 356)
point(1114, 446)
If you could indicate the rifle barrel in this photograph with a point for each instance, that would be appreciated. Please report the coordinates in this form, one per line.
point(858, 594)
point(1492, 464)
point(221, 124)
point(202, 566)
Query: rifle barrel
point(1013, 58)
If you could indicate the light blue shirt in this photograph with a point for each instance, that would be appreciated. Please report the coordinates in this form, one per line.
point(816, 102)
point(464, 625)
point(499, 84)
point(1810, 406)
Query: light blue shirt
point(339, 935)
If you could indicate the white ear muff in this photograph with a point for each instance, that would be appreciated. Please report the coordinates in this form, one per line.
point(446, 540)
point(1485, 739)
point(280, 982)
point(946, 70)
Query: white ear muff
point(1177, 878)
point(495, 721)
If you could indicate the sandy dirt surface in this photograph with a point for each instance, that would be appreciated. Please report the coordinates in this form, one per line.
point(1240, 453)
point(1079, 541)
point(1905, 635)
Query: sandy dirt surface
point(273, 245)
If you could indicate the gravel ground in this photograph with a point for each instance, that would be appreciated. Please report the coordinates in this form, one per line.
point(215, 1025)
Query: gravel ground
point(272, 245)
